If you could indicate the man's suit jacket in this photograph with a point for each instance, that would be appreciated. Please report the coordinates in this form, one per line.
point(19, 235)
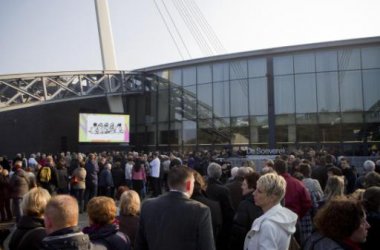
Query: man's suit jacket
point(173, 221)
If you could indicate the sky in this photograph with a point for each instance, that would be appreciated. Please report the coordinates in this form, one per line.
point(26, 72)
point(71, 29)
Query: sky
point(62, 35)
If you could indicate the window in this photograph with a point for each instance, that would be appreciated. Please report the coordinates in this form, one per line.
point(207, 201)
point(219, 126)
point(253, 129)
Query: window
point(306, 96)
point(239, 97)
point(284, 94)
point(282, 65)
point(327, 92)
point(326, 61)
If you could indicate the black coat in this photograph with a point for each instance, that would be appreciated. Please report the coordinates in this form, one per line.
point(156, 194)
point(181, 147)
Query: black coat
point(246, 213)
point(235, 191)
point(129, 225)
point(372, 242)
point(172, 221)
point(216, 212)
point(28, 234)
point(110, 237)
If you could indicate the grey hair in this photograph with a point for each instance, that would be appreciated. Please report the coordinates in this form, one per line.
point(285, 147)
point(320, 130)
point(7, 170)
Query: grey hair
point(369, 166)
point(214, 170)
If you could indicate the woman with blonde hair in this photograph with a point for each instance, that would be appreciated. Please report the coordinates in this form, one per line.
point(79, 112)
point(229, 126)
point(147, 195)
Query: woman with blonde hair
point(272, 230)
point(334, 189)
point(129, 214)
point(30, 229)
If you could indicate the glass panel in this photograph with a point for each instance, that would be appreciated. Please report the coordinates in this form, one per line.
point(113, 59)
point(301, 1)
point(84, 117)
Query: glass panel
point(151, 113)
point(189, 102)
point(221, 101)
point(351, 96)
point(140, 116)
point(151, 134)
point(285, 128)
point(258, 96)
point(373, 126)
point(259, 129)
point(204, 74)
point(163, 133)
point(371, 85)
point(205, 132)
point(222, 130)
point(163, 74)
point(257, 67)
point(176, 104)
point(306, 128)
point(371, 57)
point(349, 59)
point(352, 127)
point(284, 94)
point(175, 77)
point(131, 109)
point(239, 98)
point(163, 106)
point(238, 69)
point(306, 96)
point(175, 133)
point(220, 72)
point(189, 133)
point(189, 76)
point(205, 101)
point(282, 65)
point(304, 63)
point(329, 127)
point(240, 130)
point(327, 92)
point(326, 61)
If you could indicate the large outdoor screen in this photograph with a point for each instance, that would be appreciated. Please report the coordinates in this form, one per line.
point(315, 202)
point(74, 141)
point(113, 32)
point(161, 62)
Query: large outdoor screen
point(103, 128)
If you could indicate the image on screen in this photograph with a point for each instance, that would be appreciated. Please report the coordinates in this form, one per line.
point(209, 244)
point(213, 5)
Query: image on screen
point(103, 128)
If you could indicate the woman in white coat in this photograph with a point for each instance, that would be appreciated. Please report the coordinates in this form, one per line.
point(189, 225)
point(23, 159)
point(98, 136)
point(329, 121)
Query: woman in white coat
point(275, 227)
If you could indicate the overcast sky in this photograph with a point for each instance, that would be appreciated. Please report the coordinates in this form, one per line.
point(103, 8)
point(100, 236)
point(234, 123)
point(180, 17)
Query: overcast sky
point(61, 35)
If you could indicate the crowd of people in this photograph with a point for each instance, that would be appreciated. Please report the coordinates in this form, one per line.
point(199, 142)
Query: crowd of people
point(140, 201)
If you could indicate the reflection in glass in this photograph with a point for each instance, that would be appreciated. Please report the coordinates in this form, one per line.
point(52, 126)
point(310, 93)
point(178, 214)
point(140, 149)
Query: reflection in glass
point(222, 131)
point(371, 86)
point(327, 92)
point(176, 104)
point(205, 132)
point(163, 133)
point(163, 106)
point(238, 69)
point(189, 76)
point(258, 96)
point(240, 130)
point(326, 61)
point(282, 65)
point(304, 63)
point(259, 129)
point(329, 127)
point(151, 134)
point(371, 57)
point(204, 74)
point(189, 102)
point(189, 133)
point(140, 116)
point(285, 128)
point(220, 72)
point(175, 77)
point(352, 127)
point(205, 101)
point(221, 99)
point(306, 96)
point(175, 133)
point(306, 127)
point(239, 97)
point(349, 59)
point(284, 94)
point(257, 67)
point(351, 96)
point(373, 126)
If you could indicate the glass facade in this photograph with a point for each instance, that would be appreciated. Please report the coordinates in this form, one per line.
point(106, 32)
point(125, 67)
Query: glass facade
point(321, 98)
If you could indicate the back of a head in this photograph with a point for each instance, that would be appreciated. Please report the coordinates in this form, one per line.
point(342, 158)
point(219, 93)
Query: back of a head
point(62, 211)
point(234, 171)
point(101, 210)
point(371, 199)
point(280, 166)
point(199, 183)
point(305, 170)
point(334, 187)
point(339, 218)
point(130, 203)
point(251, 179)
point(243, 171)
point(214, 170)
point(177, 178)
point(34, 202)
point(369, 166)
point(372, 179)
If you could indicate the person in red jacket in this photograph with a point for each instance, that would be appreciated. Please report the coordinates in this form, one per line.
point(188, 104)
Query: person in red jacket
point(297, 197)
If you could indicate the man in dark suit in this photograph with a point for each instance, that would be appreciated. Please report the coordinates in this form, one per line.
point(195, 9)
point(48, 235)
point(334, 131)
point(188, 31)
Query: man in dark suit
point(173, 220)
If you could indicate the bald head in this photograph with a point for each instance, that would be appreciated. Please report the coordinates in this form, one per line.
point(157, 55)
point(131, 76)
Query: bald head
point(61, 212)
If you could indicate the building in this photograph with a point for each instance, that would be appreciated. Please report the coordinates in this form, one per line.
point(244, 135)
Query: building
point(323, 95)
